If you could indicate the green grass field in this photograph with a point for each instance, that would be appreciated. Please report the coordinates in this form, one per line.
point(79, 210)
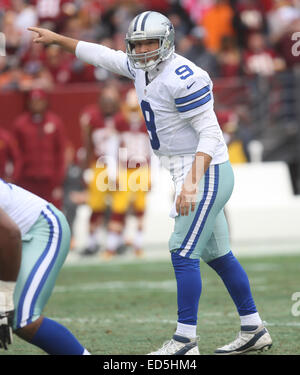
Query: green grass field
point(129, 307)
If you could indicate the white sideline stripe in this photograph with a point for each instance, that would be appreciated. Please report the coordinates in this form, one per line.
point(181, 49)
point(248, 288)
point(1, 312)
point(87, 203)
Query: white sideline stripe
point(166, 285)
point(262, 267)
point(94, 320)
point(41, 269)
point(162, 285)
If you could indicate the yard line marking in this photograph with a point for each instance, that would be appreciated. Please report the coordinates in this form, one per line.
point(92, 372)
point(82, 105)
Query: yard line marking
point(95, 320)
point(262, 267)
point(166, 285)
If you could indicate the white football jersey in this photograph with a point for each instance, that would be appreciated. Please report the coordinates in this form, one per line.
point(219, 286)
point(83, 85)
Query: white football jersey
point(177, 102)
point(20, 205)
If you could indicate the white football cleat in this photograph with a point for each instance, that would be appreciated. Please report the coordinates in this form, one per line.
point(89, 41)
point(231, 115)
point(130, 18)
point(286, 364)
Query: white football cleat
point(178, 345)
point(258, 339)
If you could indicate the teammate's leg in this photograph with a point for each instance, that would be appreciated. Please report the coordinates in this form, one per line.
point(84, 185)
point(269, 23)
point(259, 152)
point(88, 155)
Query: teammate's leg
point(115, 231)
point(119, 207)
point(45, 248)
point(97, 201)
point(139, 208)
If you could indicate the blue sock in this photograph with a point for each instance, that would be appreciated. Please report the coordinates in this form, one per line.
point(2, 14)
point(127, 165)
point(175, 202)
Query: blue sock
point(189, 286)
point(55, 339)
point(236, 282)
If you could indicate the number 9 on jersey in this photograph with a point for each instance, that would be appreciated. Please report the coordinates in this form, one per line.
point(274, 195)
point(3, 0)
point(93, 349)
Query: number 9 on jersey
point(150, 123)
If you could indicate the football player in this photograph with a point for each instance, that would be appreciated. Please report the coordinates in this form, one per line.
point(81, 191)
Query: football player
point(99, 123)
point(176, 99)
point(34, 242)
point(134, 170)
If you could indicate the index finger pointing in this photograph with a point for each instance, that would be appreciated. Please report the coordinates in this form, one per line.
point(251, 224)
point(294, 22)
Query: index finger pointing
point(35, 29)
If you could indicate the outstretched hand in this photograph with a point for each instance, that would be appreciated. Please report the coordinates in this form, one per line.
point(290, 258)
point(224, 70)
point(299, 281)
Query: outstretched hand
point(43, 36)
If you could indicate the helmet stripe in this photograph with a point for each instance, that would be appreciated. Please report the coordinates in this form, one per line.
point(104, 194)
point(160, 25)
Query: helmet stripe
point(144, 21)
point(136, 21)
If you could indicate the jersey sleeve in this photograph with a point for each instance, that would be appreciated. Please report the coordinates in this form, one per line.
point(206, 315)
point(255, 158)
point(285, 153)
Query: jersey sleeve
point(108, 58)
point(193, 92)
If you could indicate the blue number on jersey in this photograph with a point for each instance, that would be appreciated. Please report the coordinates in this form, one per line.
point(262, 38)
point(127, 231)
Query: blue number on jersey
point(149, 119)
point(184, 72)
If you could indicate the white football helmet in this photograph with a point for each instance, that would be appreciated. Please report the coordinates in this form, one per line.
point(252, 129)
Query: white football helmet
point(150, 25)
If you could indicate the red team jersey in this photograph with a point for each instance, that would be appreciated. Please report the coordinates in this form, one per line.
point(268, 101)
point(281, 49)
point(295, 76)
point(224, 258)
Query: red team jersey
point(135, 139)
point(51, 10)
point(132, 136)
point(9, 153)
point(102, 128)
point(42, 147)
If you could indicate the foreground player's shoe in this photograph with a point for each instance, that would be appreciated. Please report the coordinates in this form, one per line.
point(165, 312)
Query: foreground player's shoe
point(88, 251)
point(258, 339)
point(139, 253)
point(107, 255)
point(178, 345)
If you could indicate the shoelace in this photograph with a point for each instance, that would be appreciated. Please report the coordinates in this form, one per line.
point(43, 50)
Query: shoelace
point(166, 345)
point(240, 339)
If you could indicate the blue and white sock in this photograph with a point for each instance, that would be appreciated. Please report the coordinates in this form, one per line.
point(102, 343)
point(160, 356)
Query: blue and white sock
point(238, 286)
point(189, 287)
point(56, 339)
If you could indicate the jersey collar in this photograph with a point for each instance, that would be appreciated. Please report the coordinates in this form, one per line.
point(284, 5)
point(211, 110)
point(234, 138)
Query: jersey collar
point(152, 74)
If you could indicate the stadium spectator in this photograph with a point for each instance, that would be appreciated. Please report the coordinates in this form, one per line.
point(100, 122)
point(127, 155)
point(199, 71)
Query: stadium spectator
point(90, 13)
point(180, 19)
point(193, 48)
point(14, 78)
point(34, 54)
point(25, 16)
point(58, 65)
point(282, 39)
point(40, 136)
point(220, 14)
point(53, 13)
point(156, 5)
point(12, 35)
point(229, 58)
point(259, 58)
point(249, 17)
point(197, 9)
point(10, 160)
point(283, 14)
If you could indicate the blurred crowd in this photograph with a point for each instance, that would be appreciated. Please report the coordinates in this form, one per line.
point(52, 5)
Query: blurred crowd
point(110, 173)
point(225, 37)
